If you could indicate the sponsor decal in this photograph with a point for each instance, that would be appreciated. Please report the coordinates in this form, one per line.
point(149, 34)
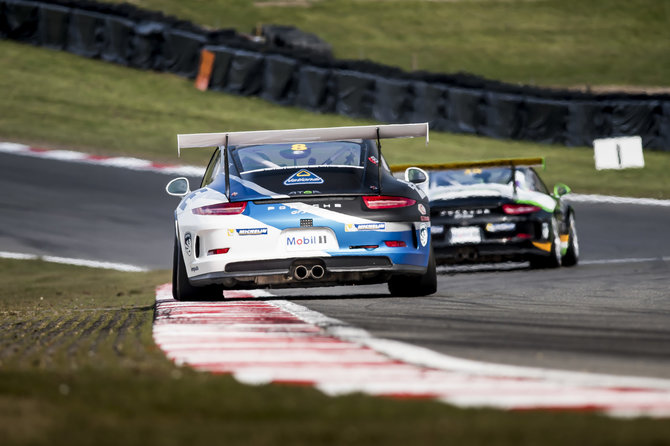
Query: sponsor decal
point(373, 160)
point(423, 234)
point(303, 176)
point(425, 218)
point(248, 231)
point(306, 240)
point(304, 192)
point(194, 269)
point(500, 227)
point(298, 147)
point(421, 208)
point(188, 243)
point(354, 227)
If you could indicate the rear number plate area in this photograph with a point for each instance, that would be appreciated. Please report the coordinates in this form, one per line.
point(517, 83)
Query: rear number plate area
point(465, 234)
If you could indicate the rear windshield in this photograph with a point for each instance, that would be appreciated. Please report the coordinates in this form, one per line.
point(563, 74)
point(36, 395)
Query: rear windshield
point(498, 175)
point(318, 154)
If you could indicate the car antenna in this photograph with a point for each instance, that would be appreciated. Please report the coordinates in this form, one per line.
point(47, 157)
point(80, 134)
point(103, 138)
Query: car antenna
point(379, 163)
point(226, 168)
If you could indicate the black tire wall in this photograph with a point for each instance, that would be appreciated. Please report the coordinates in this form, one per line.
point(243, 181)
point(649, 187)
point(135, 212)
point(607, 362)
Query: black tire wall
point(460, 103)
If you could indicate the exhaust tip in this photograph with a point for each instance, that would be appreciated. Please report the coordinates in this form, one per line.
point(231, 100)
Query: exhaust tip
point(317, 271)
point(300, 272)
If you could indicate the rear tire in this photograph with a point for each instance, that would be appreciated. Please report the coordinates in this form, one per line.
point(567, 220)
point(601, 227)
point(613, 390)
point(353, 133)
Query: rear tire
point(553, 260)
point(571, 257)
point(182, 288)
point(415, 285)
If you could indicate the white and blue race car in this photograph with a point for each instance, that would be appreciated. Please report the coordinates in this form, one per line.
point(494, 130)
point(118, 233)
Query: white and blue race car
point(302, 208)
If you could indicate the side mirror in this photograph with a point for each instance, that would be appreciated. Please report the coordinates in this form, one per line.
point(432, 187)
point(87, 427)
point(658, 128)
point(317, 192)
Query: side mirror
point(178, 187)
point(561, 189)
point(416, 175)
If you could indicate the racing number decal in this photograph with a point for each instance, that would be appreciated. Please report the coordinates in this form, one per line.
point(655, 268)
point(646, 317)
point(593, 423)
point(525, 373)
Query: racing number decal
point(298, 147)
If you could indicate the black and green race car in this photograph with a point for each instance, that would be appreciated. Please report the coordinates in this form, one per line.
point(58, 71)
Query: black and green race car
point(499, 210)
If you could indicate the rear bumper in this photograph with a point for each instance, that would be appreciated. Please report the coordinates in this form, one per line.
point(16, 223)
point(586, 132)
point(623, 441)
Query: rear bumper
point(281, 273)
point(486, 252)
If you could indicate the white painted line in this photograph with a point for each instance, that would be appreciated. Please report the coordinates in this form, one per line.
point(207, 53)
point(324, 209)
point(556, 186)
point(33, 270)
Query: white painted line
point(429, 358)
point(594, 198)
point(69, 261)
point(631, 260)
point(264, 341)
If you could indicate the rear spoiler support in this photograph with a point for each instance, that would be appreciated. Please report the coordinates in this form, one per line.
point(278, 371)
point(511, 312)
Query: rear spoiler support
point(226, 168)
point(379, 164)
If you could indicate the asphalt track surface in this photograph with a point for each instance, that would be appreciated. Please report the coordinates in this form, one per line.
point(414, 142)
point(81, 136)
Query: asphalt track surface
point(610, 314)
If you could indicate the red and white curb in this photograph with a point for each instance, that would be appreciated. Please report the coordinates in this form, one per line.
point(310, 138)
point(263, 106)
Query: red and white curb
point(196, 171)
point(276, 341)
point(109, 161)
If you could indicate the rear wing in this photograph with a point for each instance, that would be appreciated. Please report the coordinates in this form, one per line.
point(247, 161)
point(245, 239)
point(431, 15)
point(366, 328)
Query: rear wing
point(377, 132)
point(504, 162)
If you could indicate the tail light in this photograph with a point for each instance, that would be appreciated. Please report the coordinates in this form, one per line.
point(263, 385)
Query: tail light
point(395, 243)
point(222, 208)
point(385, 202)
point(213, 252)
point(518, 209)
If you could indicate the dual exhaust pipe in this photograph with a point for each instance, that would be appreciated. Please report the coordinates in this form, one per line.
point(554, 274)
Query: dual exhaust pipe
point(469, 254)
point(302, 272)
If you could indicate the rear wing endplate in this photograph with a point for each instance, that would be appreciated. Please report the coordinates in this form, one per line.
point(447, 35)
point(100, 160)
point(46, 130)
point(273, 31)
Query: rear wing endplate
point(387, 131)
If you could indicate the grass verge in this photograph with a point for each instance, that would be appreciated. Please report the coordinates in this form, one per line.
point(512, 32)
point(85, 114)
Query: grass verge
point(60, 100)
point(78, 365)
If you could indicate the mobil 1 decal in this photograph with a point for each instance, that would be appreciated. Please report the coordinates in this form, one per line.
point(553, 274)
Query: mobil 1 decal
point(301, 177)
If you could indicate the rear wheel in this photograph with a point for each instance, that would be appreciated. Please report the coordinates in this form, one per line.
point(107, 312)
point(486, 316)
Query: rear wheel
point(415, 285)
point(182, 288)
point(571, 256)
point(553, 260)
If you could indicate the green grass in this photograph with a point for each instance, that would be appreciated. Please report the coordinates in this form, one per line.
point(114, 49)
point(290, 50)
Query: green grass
point(78, 366)
point(543, 42)
point(57, 99)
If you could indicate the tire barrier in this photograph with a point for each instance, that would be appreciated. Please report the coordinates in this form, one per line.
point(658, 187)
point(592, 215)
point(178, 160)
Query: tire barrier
point(295, 69)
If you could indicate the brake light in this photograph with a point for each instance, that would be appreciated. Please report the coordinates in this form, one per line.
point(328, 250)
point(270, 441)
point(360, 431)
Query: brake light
point(517, 209)
point(222, 208)
point(384, 202)
point(395, 243)
point(213, 252)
